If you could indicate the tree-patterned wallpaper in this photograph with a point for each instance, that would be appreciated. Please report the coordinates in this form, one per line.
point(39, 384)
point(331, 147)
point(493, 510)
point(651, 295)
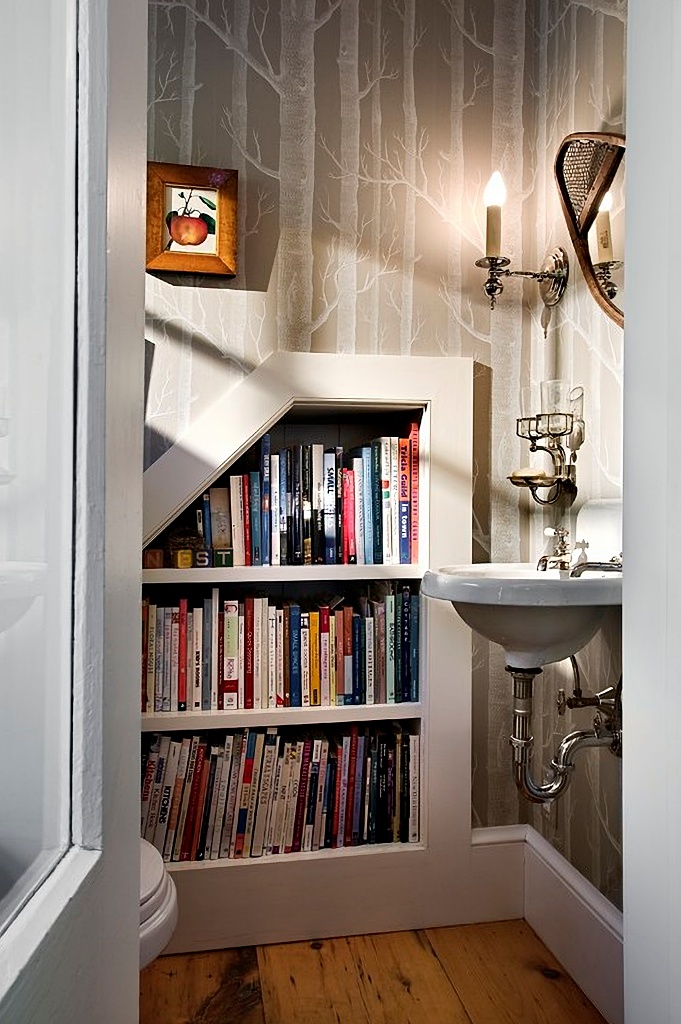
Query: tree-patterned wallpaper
point(364, 132)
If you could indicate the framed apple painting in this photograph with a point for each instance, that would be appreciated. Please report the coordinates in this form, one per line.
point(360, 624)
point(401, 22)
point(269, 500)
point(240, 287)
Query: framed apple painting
point(191, 219)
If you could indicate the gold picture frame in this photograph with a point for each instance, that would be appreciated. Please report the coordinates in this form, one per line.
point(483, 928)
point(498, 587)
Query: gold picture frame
point(191, 219)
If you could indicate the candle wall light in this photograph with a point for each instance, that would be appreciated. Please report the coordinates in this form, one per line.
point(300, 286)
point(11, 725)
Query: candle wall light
point(553, 275)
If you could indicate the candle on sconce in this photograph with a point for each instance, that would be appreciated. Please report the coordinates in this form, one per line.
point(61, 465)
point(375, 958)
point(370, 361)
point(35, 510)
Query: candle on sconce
point(603, 232)
point(494, 198)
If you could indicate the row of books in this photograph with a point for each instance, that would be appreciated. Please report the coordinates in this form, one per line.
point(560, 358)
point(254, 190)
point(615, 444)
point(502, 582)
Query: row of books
point(224, 654)
point(307, 504)
point(256, 792)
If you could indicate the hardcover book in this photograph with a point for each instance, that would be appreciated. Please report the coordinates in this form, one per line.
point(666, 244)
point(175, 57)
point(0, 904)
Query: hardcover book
point(265, 502)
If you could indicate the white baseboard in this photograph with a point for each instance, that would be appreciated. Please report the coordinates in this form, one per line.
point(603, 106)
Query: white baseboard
point(577, 923)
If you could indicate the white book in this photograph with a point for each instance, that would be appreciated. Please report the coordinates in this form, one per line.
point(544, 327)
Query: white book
point(275, 537)
point(222, 785)
point(197, 658)
point(220, 518)
point(272, 656)
point(236, 494)
point(167, 790)
point(151, 656)
point(215, 668)
point(276, 785)
point(414, 788)
point(155, 796)
point(269, 759)
point(231, 655)
point(305, 658)
point(280, 658)
point(276, 845)
point(330, 510)
point(317, 838)
point(317, 461)
point(386, 521)
point(369, 659)
point(358, 479)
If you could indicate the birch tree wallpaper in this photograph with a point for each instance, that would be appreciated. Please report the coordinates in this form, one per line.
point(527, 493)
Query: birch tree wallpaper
point(364, 132)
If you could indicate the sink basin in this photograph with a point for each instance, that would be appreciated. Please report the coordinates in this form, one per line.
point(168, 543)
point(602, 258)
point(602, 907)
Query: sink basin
point(537, 617)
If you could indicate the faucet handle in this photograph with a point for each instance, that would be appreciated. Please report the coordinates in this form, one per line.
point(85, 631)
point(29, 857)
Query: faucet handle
point(562, 546)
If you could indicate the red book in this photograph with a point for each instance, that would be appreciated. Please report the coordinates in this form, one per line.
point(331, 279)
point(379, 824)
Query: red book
point(350, 799)
point(414, 495)
point(349, 539)
point(182, 658)
point(247, 520)
point(190, 820)
point(248, 652)
point(301, 801)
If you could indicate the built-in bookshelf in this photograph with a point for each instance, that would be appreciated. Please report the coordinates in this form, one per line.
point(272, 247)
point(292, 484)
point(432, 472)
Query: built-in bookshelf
point(393, 876)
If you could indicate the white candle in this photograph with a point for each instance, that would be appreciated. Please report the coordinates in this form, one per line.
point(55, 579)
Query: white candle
point(494, 198)
point(603, 232)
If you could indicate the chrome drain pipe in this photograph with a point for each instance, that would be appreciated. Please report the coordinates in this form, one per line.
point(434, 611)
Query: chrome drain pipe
point(522, 742)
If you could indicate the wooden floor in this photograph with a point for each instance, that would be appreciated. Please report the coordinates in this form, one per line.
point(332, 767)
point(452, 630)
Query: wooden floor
point(473, 974)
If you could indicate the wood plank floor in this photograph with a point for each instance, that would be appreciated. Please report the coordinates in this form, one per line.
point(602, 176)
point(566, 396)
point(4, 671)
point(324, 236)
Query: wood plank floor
point(472, 974)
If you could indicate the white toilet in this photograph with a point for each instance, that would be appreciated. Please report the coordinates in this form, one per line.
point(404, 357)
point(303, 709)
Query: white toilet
point(158, 904)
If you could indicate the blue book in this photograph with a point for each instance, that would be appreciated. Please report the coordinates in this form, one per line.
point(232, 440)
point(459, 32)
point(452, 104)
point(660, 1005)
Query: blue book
point(330, 506)
point(294, 657)
point(376, 502)
point(207, 532)
point(206, 660)
point(366, 503)
point(265, 498)
point(356, 660)
point(406, 644)
point(284, 506)
point(256, 518)
point(414, 647)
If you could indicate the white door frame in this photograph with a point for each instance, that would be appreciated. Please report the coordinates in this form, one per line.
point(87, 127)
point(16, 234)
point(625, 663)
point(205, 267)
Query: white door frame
point(72, 953)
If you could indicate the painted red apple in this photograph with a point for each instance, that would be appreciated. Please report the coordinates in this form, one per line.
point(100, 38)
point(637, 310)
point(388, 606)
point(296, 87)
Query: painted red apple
point(188, 230)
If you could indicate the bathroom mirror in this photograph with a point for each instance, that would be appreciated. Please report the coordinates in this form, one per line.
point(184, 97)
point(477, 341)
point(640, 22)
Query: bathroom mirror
point(586, 170)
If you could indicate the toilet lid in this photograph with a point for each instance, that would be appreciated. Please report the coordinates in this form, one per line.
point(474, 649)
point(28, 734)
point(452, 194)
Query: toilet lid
point(152, 875)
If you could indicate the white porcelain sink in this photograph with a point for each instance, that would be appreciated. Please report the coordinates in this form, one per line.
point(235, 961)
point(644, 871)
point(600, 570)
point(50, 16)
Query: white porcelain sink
point(537, 617)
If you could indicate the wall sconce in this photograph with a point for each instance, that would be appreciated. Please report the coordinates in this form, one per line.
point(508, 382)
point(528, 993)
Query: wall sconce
point(553, 275)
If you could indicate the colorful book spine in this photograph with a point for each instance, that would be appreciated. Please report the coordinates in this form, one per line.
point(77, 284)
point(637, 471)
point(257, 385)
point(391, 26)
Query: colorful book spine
point(317, 485)
point(330, 506)
point(249, 653)
point(367, 506)
point(296, 693)
point(183, 612)
point(230, 675)
point(404, 486)
point(414, 490)
point(236, 493)
point(207, 524)
point(265, 500)
point(275, 511)
point(305, 659)
point(414, 647)
point(256, 518)
point(248, 548)
point(324, 655)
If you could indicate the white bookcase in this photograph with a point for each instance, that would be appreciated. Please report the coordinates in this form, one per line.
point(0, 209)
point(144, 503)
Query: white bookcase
point(367, 888)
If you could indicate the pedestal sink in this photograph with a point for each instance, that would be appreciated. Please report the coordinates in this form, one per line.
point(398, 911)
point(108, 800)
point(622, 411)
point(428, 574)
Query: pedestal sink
point(536, 616)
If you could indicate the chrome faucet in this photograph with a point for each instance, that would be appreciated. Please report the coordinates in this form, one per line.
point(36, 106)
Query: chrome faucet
point(560, 559)
point(614, 565)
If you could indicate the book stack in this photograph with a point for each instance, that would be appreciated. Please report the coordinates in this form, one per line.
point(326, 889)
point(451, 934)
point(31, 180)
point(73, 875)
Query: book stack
point(307, 504)
point(262, 792)
point(224, 652)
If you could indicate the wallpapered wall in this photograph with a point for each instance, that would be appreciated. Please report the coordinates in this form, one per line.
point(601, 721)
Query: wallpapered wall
point(364, 132)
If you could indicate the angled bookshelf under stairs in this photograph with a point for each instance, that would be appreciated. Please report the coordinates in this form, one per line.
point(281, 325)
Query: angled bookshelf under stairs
point(429, 877)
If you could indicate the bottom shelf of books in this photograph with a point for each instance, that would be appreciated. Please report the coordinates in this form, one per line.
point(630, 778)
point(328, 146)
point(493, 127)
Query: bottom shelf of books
point(261, 792)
